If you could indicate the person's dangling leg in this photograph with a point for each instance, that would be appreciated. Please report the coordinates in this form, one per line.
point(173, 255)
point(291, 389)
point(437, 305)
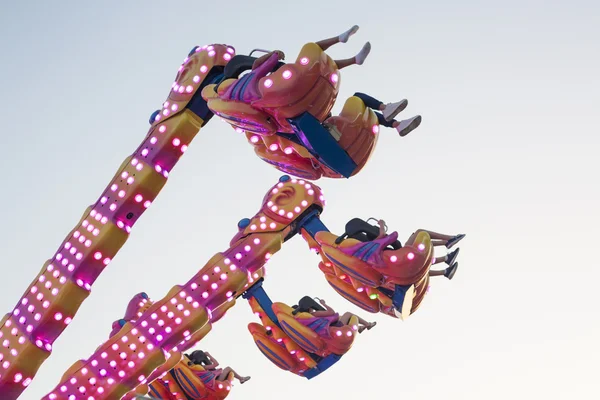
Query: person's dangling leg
point(406, 126)
point(448, 240)
point(225, 373)
point(384, 122)
point(403, 127)
point(343, 38)
point(358, 59)
point(448, 258)
point(345, 319)
point(448, 272)
point(370, 101)
point(388, 111)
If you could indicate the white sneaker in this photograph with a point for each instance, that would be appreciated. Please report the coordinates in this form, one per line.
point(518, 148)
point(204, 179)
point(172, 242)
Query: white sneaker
point(392, 109)
point(408, 125)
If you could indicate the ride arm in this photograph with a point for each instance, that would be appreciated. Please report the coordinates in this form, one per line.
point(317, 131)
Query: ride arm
point(45, 309)
point(173, 321)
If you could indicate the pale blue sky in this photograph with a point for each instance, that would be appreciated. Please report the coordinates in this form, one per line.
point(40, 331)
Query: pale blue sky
point(507, 153)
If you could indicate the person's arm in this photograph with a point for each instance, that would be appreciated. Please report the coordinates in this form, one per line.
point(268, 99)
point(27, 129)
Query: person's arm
point(259, 61)
point(328, 310)
point(213, 361)
point(266, 63)
point(382, 232)
point(327, 313)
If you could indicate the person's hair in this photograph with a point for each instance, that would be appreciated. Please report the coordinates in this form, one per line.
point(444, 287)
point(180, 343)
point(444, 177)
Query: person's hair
point(198, 357)
point(306, 304)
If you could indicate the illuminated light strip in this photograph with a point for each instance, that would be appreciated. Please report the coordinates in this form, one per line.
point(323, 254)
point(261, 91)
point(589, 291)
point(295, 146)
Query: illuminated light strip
point(65, 281)
point(114, 366)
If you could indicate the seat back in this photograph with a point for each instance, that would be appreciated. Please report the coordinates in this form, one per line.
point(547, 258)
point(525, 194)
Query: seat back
point(196, 386)
point(310, 84)
point(186, 379)
point(358, 129)
point(314, 334)
point(276, 345)
point(238, 113)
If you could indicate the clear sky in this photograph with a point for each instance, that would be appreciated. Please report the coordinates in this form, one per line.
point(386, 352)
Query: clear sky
point(507, 152)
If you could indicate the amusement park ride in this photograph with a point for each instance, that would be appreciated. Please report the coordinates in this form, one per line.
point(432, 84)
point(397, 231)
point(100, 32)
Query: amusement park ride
point(285, 114)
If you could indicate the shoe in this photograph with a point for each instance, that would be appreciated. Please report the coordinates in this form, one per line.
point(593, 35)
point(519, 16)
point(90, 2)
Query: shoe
point(392, 109)
point(451, 257)
point(408, 125)
point(450, 243)
point(450, 271)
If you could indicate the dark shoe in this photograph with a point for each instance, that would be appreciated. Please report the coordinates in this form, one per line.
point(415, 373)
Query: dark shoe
point(451, 257)
point(450, 243)
point(450, 271)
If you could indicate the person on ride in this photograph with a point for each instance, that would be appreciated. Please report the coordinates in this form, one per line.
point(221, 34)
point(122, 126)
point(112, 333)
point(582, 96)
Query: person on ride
point(270, 60)
point(437, 239)
point(266, 63)
point(211, 373)
point(308, 305)
point(388, 112)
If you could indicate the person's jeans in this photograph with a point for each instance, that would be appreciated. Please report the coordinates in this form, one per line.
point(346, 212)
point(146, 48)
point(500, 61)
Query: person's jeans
point(374, 104)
